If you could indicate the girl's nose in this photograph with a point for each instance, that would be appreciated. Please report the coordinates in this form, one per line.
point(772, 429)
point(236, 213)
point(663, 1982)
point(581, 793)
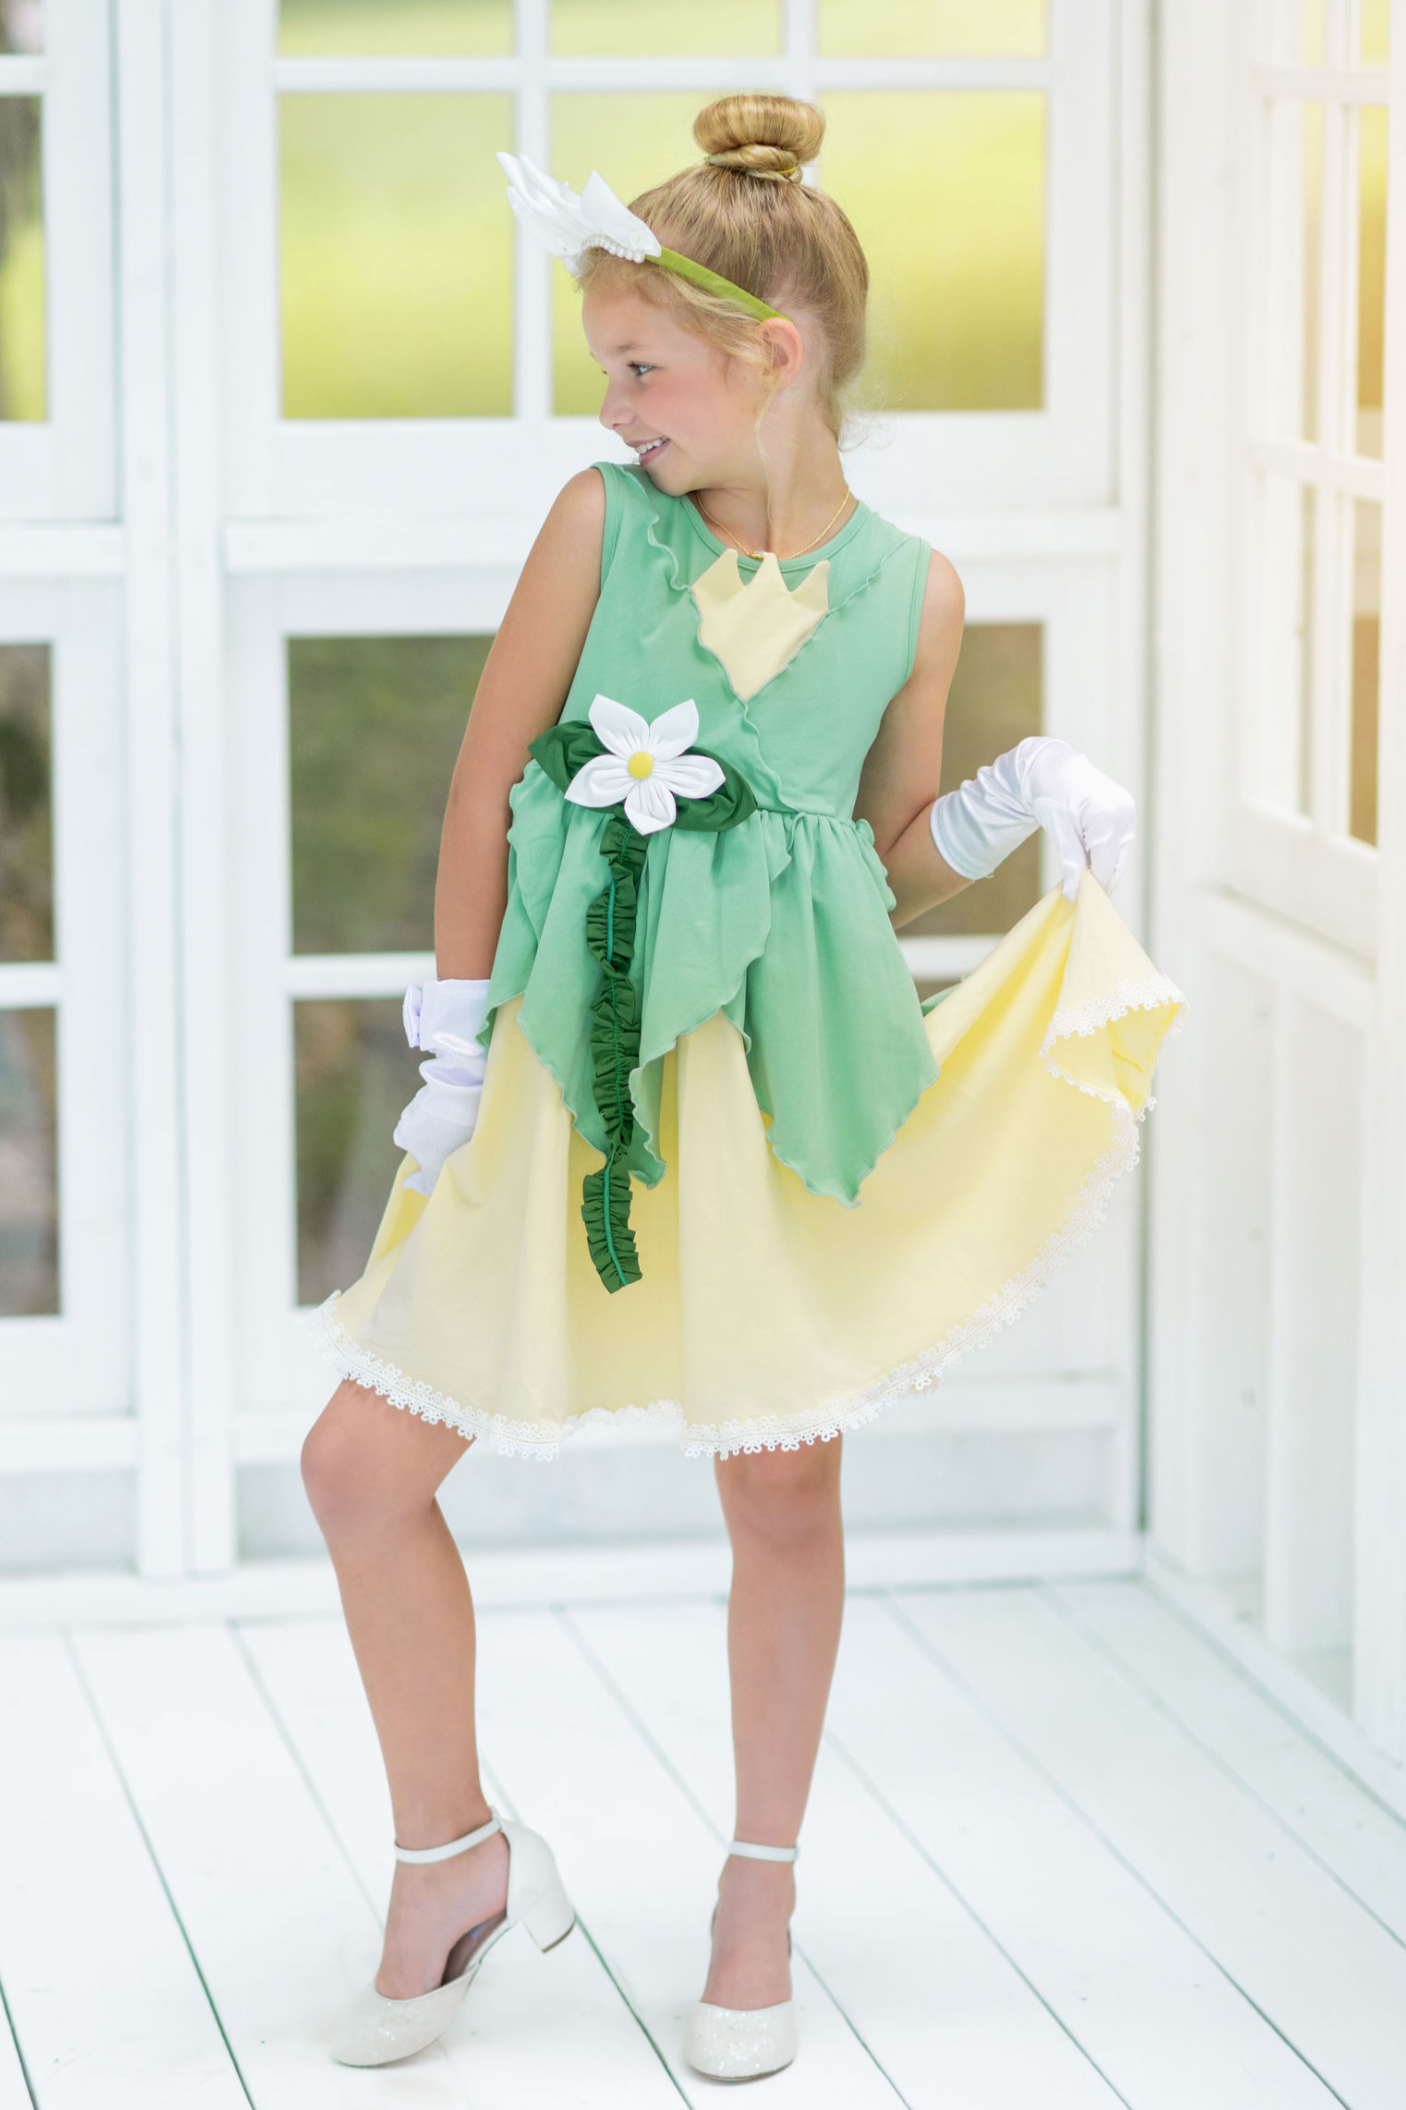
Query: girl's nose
point(613, 412)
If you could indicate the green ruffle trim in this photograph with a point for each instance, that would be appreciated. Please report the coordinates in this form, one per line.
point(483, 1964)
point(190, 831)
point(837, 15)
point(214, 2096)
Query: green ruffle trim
point(615, 1020)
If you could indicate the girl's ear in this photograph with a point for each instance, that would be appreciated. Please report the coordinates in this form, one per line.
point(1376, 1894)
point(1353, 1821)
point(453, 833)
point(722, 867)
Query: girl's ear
point(785, 350)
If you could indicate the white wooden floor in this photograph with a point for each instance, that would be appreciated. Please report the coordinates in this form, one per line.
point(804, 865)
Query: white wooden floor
point(1060, 1856)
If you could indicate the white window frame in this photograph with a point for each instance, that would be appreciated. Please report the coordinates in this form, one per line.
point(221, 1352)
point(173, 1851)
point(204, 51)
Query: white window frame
point(194, 1357)
point(454, 469)
point(59, 1372)
point(63, 469)
point(1306, 866)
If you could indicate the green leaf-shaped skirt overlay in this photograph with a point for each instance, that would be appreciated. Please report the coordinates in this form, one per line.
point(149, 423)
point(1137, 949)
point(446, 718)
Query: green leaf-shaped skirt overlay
point(615, 1026)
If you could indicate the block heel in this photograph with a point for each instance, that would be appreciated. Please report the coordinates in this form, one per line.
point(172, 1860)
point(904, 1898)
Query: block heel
point(375, 2031)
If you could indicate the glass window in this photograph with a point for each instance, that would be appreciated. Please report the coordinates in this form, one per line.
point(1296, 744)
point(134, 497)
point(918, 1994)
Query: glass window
point(355, 1072)
point(21, 27)
point(995, 702)
point(1373, 32)
point(1283, 764)
point(374, 728)
point(1311, 220)
point(26, 806)
point(29, 1188)
point(665, 28)
point(994, 29)
point(957, 316)
point(1366, 667)
point(636, 141)
point(397, 256)
point(1371, 274)
point(430, 28)
point(23, 382)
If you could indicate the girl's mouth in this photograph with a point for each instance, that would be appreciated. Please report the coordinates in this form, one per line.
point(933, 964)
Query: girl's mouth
point(650, 451)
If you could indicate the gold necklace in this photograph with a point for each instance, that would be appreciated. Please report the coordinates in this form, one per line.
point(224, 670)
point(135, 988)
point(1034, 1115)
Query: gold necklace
point(759, 553)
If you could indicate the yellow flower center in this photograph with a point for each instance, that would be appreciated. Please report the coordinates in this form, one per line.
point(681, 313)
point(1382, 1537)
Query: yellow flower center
point(641, 763)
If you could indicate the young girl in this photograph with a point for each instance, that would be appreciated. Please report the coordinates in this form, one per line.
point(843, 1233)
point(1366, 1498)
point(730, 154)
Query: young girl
point(687, 1141)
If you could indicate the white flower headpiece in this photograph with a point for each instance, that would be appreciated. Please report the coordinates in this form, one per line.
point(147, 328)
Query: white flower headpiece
point(568, 223)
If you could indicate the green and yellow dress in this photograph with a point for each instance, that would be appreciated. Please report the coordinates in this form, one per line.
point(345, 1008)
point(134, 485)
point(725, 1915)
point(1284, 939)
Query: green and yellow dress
point(727, 1168)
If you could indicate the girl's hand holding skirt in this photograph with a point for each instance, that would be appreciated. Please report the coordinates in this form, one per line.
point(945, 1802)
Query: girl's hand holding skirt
point(446, 1016)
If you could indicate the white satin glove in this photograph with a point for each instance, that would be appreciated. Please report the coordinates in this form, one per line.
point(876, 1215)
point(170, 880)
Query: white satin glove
point(1042, 783)
point(446, 1017)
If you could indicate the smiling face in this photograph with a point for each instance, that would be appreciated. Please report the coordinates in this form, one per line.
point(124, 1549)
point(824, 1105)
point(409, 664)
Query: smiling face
point(666, 385)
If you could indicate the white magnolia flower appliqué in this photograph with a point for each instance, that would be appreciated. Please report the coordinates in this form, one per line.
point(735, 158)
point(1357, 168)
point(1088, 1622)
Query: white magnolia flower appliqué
point(567, 224)
point(645, 765)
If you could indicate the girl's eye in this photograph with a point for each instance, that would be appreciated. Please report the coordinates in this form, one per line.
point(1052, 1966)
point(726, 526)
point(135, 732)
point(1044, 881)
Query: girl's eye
point(641, 366)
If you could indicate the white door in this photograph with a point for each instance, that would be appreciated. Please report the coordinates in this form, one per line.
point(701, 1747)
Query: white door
point(1278, 1355)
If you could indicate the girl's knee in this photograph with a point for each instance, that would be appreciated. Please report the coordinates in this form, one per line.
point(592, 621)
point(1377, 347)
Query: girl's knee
point(333, 1467)
point(782, 1495)
point(367, 1464)
point(345, 1472)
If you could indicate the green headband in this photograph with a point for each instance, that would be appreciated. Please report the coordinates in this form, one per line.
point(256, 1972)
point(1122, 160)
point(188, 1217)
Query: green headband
point(713, 282)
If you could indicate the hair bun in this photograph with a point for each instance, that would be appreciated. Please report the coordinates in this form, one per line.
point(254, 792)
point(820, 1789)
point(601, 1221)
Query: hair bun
point(760, 135)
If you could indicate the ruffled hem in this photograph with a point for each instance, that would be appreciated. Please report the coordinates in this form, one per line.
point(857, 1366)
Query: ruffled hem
point(509, 1437)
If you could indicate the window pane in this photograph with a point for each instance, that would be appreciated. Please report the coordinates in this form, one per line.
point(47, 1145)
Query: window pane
point(1291, 238)
point(958, 315)
point(999, 29)
point(23, 380)
point(29, 1187)
point(429, 27)
point(26, 806)
point(397, 256)
point(623, 28)
point(1311, 213)
point(1282, 767)
point(21, 26)
point(995, 703)
point(1366, 667)
point(374, 727)
point(1293, 32)
point(354, 1075)
point(635, 141)
point(1371, 275)
point(1374, 33)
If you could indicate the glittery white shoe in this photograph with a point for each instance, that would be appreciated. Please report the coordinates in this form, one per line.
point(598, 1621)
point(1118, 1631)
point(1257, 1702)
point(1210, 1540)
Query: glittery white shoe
point(742, 2043)
point(375, 2030)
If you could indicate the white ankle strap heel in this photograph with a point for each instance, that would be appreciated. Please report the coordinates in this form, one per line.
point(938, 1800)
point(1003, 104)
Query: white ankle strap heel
point(738, 2043)
point(748, 1852)
point(455, 1846)
point(375, 2030)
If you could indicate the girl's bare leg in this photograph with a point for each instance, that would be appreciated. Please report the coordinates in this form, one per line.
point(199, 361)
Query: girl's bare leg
point(371, 1471)
point(788, 1581)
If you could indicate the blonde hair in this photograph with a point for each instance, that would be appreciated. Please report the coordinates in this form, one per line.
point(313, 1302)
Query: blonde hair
point(745, 213)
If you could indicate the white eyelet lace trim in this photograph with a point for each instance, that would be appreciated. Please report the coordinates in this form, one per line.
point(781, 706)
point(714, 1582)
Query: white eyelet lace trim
point(768, 1432)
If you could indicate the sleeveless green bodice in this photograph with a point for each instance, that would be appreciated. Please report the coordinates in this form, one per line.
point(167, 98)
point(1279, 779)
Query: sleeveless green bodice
point(780, 922)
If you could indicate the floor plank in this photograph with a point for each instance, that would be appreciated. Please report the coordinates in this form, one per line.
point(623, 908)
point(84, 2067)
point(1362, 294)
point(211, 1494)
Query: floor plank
point(1350, 1832)
point(1150, 2009)
point(536, 2032)
point(1320, 1967)
point(14, 2095)
point(921, 1981)
point(102, 1993)
point(638, 1858)
point(278, 1923)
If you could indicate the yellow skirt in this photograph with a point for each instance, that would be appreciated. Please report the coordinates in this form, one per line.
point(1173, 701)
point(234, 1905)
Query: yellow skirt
point(767, 1315)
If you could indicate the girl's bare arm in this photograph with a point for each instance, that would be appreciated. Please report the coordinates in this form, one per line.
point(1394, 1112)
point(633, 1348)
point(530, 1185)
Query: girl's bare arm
point(523, 686)
point(903, 768)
